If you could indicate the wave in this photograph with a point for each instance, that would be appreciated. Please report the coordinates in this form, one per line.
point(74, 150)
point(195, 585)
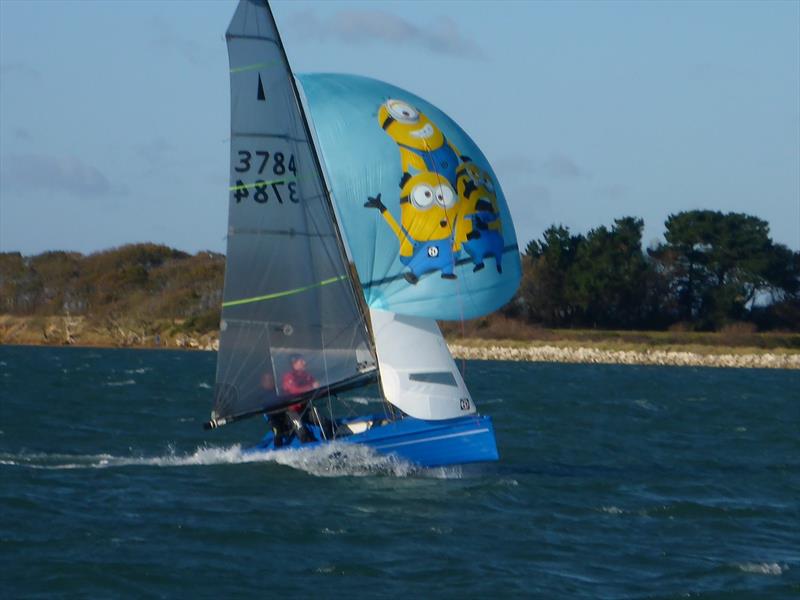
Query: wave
point(334, 459)
point(119, 383)
point(763, 568)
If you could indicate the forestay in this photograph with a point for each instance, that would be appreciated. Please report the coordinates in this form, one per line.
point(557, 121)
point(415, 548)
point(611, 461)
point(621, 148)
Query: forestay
point(287, 283)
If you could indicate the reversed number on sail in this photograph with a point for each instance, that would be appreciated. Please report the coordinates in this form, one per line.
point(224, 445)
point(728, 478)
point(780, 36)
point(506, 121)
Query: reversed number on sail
point(261, 161)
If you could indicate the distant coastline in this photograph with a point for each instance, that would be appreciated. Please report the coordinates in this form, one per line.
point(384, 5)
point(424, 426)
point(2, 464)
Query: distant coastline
point(152, 296)
point(717, 357)
point(78, 331)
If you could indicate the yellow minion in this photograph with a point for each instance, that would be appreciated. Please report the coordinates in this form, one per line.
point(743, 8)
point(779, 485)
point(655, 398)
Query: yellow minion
point(478, 228)
point(422, 144)
point(427, 217)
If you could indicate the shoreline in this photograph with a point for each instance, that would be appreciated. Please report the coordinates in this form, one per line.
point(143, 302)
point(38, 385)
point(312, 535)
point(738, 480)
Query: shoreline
point(651, 356)
point(547, 353)
point(78, 332)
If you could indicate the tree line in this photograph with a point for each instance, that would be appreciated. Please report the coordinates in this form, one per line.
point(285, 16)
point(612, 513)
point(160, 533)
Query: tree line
point(713, 269)
point(139, 282)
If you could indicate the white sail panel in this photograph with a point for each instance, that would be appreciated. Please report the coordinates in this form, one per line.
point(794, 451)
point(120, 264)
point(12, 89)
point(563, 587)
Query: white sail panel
point(418, 374)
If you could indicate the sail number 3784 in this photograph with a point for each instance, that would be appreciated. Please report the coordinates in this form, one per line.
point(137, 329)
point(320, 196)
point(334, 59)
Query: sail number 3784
point(277, 164)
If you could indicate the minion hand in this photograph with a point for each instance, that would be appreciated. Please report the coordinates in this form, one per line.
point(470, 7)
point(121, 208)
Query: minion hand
point(469, 187)
point(375, 203)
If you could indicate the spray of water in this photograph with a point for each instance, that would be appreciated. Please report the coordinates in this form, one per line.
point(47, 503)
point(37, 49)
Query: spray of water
point(331, 460)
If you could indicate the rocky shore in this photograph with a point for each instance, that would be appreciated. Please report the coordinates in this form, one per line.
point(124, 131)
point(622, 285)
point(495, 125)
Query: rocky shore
point(77, 331)
point(548, 353)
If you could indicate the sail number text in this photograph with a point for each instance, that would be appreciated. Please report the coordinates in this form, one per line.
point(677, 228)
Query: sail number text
point(277, 163)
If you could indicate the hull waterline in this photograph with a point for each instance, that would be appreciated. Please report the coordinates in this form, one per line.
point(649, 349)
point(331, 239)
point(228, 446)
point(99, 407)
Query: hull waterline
point(457, 441)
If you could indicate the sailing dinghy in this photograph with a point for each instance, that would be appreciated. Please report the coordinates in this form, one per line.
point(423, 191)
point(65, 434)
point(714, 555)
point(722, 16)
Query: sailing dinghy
point(359, 214)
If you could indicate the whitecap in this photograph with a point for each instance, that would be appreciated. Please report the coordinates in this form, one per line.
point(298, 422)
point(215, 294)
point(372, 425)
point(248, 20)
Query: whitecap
point(441, 530)
point(492, 401)
point(204, 385)
point(612, 510)
point(646, 404)
point(140, 370)
point(120, 383)
point(763, 568)
point(325, 570)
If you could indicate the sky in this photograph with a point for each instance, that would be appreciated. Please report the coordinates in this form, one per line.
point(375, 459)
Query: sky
point(114, 116)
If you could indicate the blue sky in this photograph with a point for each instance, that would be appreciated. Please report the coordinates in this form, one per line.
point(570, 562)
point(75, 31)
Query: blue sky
point(114, 116)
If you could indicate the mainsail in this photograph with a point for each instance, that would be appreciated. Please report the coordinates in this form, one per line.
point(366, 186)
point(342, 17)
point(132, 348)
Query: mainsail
point(288, 287)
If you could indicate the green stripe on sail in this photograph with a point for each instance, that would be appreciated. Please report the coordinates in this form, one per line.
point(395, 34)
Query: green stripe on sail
point(250, 67)
point(245, 186)
point(285, 293)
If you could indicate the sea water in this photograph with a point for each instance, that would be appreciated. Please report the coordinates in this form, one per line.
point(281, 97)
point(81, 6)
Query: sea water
point(614, 482)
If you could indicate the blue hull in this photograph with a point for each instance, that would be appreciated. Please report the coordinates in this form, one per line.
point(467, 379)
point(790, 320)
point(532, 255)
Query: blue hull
point(457, 441)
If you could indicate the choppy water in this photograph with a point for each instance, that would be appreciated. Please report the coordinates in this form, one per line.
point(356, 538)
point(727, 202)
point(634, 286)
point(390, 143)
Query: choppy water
point(615, 482)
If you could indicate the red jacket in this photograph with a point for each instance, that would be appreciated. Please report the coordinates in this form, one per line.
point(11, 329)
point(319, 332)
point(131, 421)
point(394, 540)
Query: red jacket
point(298, 382)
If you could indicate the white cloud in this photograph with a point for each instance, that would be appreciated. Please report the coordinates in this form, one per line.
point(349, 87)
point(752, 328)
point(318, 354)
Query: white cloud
point(37, 173)
point(369, 26)
point(559, 166)
point(165, 37)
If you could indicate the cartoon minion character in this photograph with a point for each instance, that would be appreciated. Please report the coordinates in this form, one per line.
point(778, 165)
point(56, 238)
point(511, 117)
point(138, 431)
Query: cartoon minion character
point(478, 227)
point(422, 144)
point(428, 212)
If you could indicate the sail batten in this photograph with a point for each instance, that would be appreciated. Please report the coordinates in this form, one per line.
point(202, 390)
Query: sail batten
point(284, 293)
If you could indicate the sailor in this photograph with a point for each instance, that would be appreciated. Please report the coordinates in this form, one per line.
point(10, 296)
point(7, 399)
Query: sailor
point(294, 382)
